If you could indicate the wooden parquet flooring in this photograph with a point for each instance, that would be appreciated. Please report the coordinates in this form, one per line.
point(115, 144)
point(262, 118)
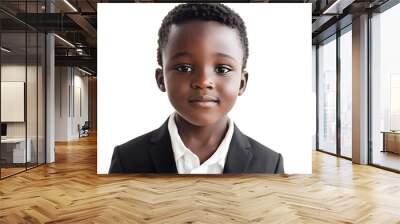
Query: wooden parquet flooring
point(70, 191)
point(10, 171)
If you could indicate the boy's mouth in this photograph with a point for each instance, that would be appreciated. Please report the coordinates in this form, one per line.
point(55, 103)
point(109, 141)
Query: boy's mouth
point(204, 100)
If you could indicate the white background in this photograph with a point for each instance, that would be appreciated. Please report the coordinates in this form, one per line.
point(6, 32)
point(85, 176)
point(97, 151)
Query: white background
point(275, 110)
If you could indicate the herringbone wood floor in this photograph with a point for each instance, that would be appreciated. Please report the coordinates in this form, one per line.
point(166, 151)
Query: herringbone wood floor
point(70, 191)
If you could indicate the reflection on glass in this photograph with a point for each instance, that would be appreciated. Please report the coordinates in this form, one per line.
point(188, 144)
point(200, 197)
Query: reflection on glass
point(395, 102)
point(31, 100)
point(346, 94)
point(386, 89)
point(13, 86)
point(41, 99)
point(327, 96)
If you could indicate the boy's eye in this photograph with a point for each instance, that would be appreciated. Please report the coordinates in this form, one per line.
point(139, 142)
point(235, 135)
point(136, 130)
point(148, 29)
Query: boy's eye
point(184, 68)
point(222, 69)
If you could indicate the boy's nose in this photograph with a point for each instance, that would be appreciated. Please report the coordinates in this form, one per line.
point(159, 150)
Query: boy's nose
point(202, 80)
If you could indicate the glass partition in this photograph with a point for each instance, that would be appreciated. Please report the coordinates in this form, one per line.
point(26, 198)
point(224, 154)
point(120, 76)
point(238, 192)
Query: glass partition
point(41, 109)
point(31, 100)
point(327, 96)
point(22, 78)
point(13, 109)
point(32, 83)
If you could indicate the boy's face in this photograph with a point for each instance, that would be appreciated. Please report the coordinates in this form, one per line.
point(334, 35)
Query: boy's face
point(202, 71)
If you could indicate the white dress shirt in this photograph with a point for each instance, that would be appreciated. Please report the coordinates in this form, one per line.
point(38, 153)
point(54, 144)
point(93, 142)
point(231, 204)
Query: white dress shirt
point(189, 163)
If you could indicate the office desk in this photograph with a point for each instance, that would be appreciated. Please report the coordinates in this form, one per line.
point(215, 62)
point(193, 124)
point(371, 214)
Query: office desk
point(391, 141)
point(13, 150)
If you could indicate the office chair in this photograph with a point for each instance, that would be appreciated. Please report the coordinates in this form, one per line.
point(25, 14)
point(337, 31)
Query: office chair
point(84, 130)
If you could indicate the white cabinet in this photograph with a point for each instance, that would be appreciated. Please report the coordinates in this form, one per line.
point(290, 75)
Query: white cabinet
point(18, 149)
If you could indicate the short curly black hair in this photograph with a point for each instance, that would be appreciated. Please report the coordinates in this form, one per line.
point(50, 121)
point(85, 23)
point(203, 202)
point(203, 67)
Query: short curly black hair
point(204, 12)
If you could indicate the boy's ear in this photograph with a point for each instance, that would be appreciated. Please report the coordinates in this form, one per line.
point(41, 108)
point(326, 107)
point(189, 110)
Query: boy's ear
point(160, 79)
point(243, 82)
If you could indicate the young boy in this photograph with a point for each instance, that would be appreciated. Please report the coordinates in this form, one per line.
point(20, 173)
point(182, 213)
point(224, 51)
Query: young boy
point(202, 52)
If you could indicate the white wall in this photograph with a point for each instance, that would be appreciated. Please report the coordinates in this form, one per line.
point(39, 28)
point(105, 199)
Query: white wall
point(80, 83)
point(61, 103)
point(70, 83)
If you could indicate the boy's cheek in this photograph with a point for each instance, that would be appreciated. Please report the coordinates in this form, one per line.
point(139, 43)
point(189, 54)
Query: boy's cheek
point(232, 87)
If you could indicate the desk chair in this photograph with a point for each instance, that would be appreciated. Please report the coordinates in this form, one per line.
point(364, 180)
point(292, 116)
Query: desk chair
point(84, 130)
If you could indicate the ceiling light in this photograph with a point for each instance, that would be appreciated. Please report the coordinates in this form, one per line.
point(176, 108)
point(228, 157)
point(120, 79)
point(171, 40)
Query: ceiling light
point(64, 40)
point(79, 51)
point(86, 72)
point(70, 5)
point(338, 6)
point(5, 50)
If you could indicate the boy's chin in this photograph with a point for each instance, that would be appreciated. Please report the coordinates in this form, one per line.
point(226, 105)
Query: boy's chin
point(202, 120)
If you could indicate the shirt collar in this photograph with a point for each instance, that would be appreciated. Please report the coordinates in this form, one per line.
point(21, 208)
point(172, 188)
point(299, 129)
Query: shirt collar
point(180, 149)
point(177, 145)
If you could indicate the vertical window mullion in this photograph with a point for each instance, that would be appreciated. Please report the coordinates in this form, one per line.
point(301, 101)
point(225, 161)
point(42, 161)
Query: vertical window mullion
point(26, 86)
point(317, 95)
point(37, 89)
point(369, 91)
point(338, 73)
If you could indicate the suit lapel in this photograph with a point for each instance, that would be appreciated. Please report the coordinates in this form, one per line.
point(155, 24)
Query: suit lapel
point(161, 150)
point(239, 155)
point(237, 161)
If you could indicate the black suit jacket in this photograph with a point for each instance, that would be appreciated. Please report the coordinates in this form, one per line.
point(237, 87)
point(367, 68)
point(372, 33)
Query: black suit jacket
point(152, 153)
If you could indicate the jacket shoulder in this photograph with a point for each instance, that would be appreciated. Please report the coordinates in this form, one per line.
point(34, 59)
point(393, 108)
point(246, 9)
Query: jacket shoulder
point(265, 158)
point(132, 145)
point(133, 156)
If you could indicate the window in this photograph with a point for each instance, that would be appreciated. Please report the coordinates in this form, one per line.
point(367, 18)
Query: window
point(346, 92)
point(385, 88)
point(327, 96)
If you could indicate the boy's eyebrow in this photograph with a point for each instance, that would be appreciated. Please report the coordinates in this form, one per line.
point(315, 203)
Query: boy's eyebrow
point(181, 54)
point(225, 55)
point(184, 53)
